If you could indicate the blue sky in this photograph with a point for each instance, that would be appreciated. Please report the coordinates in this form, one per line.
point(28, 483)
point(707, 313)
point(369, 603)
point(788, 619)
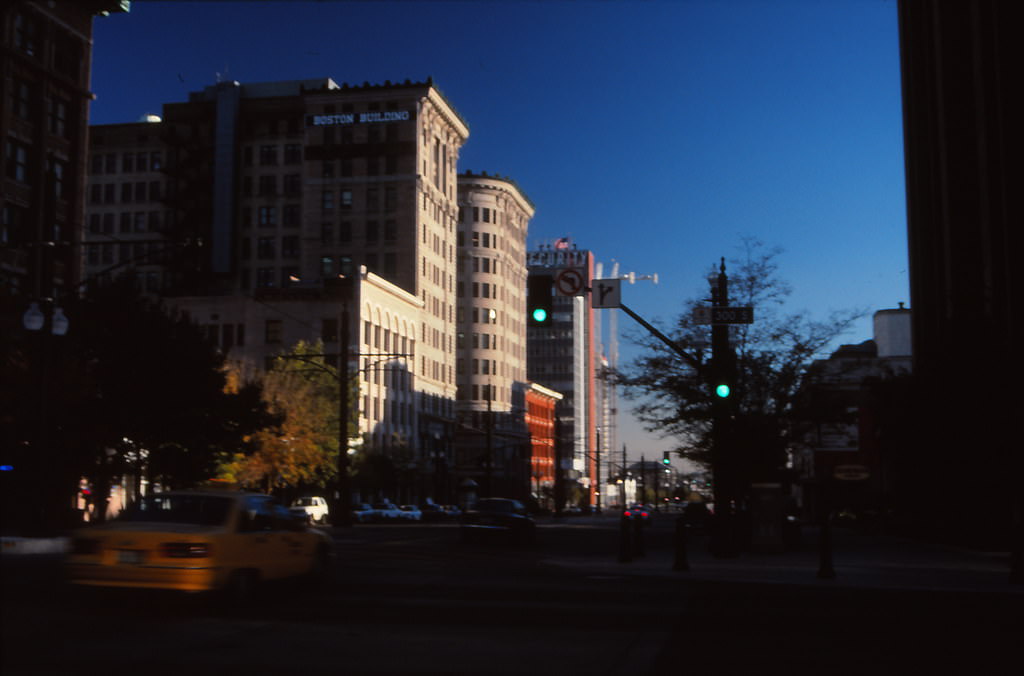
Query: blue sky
point(657, 134)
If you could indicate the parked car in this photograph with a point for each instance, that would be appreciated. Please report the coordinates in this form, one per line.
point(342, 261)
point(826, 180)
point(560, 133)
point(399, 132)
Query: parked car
point(410, 513)
point(314, 509)
point(197, 541)
point(363, 513)
point(452, 511)
point(498, 517)
point(386, 511)
point(433, 512)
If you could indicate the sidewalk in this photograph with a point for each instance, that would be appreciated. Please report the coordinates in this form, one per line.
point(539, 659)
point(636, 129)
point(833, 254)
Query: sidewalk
point(858, 560)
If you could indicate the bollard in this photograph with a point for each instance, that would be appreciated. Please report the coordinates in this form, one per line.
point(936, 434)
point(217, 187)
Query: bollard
point(638, 537)
point(625, 545)
point(682, 559)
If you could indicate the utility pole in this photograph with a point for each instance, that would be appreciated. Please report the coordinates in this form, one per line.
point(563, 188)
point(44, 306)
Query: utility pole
point(489, 460)
point(559, 480)
point(624, 476)
point(643, 480)
point(343, 507)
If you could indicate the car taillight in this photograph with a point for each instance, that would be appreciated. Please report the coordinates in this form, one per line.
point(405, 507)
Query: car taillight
point(185, 550)
point(85, 546)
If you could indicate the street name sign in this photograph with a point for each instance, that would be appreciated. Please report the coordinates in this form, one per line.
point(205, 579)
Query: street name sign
point(851, 472)
point(738, 314)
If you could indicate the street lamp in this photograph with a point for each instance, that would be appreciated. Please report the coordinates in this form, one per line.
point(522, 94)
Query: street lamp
point(34, 320)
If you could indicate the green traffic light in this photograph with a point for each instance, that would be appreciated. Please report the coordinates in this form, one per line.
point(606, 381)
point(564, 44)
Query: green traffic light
point(540, 314)
point(722, 391)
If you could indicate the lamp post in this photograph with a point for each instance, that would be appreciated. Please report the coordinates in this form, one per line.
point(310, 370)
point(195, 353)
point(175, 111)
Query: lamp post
point(46, 321)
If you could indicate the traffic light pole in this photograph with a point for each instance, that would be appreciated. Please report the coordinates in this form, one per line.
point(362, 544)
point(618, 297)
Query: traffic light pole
point(724, 536)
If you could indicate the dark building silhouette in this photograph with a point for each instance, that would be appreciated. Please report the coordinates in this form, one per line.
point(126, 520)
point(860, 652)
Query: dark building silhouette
point(962, 145)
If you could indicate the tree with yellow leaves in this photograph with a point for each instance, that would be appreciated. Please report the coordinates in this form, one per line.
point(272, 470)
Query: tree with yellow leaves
point(301, 390)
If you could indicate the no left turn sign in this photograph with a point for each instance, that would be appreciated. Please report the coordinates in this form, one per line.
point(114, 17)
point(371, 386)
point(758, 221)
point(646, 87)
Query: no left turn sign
point(569, 282)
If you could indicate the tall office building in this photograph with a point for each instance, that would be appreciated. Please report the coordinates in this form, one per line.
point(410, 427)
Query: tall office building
point(962, 143)
point(493, 440)
point(268, 193)
point(44, 117)
point(563, 357)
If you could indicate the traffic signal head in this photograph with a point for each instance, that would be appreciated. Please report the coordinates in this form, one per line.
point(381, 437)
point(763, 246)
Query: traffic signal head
point(722, 391)
point(539, 300)
point(665, 460)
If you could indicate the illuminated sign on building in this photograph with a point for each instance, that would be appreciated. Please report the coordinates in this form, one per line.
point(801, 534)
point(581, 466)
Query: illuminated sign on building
point(567, 258)
point(357, 118)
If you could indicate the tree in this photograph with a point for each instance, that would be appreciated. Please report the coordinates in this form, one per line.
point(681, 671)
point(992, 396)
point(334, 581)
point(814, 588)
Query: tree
point(772, 356)
point(301, 446)
point(131, 387)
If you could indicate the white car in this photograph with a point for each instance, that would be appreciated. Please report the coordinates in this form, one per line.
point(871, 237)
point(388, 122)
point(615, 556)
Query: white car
point(315, 509)
point(411, 513)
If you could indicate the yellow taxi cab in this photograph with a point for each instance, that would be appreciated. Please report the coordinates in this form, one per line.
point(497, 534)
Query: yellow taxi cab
point(198, 541)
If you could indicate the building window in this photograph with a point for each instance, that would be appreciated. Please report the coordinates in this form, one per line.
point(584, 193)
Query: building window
point(273, 331)
point(17, 161)
point(346, 199)
point(292, 185)
point(265, 278)
point(265, 248)
point(268, 155)
point(268, 215)
point(25, 36)
point(290, 246)
point(292, 153)
point(290, 216)
point(58, 117)
point(267, 185)
point(21, 99)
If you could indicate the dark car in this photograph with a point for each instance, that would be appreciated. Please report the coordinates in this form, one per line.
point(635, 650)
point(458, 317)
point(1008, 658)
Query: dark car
point(500, 517)
point(639, 513)
point(433, 512)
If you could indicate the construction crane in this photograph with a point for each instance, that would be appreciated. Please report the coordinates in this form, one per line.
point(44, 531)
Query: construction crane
point(610, 436)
